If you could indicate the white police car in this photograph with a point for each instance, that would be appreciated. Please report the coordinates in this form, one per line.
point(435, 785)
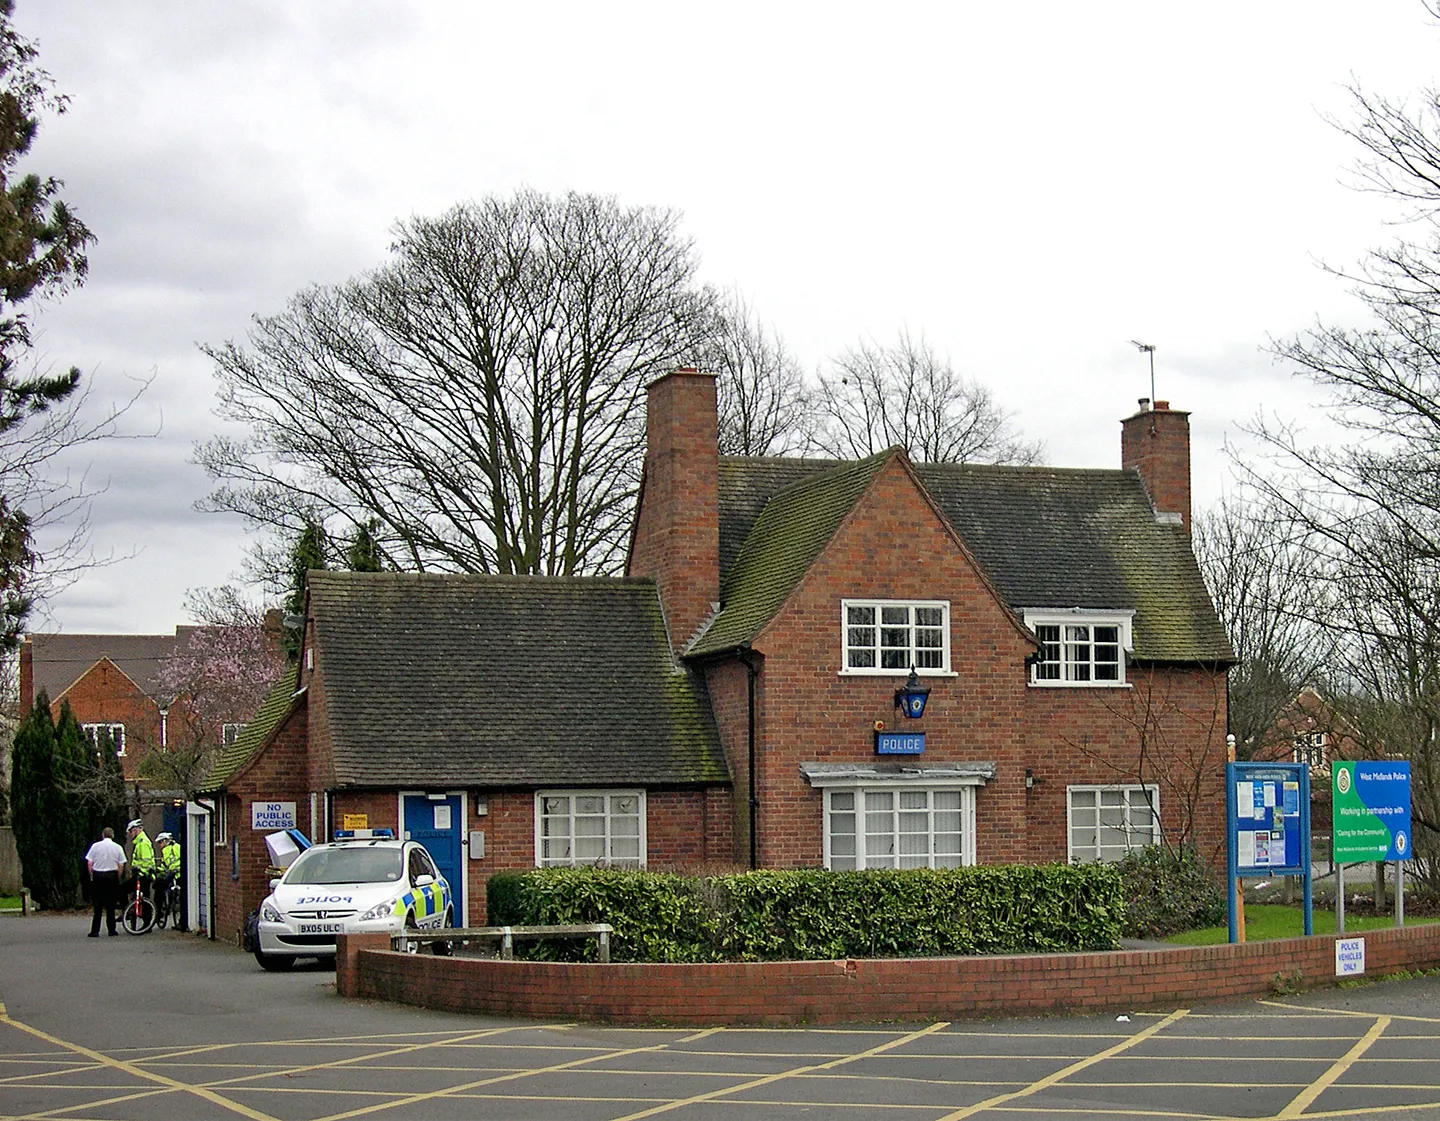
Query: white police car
point(365, 881)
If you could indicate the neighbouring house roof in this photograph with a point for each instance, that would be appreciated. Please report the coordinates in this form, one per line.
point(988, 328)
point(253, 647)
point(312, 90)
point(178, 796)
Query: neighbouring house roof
point(1046, 537)
point(445, 680)
point(59, 660)
point(273, 709)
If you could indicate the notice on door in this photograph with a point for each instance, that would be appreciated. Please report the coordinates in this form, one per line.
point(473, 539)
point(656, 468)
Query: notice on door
point(442, 818)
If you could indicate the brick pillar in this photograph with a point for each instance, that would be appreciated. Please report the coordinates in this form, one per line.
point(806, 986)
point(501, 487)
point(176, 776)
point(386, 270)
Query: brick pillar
point(1156, 443)
point(677, 531)
point(347, 959)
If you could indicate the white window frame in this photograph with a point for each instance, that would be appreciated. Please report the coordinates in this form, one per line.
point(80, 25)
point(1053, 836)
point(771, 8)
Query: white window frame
point(846, 669)
point(117, 735)
point(229, 733)
point(608, 858)
point(860, 789)
point(1069, 677)
point(1313, 749)
point(1150, 796)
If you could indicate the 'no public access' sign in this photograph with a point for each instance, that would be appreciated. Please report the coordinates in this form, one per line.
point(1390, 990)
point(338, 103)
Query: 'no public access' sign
point(1371, 811)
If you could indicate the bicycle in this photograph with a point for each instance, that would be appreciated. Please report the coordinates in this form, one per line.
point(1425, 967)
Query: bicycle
point(169, 909)
point(139, 914)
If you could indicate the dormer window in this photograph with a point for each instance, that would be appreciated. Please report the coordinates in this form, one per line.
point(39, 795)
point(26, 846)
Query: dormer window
point(1080, 648)
point(891, 636)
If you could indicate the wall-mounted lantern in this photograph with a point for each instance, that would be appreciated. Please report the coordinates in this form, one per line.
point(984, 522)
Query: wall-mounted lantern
point(910, 698)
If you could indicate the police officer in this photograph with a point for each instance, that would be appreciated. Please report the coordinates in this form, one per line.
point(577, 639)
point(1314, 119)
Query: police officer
point(142, 855)
point(104, 860)
point(167, 867)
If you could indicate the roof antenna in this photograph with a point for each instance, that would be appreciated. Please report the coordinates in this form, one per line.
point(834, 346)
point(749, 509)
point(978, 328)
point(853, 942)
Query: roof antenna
point(1147, 348)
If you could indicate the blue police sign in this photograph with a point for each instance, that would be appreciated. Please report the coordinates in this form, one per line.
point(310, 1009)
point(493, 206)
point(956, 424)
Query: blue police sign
point(899, 743)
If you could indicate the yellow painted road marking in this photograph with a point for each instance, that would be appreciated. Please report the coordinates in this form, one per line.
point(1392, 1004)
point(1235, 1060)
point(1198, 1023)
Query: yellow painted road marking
point(1339, 1067)
point(1353, 1012)
point(573, 1063)
point(1073, 1068)
point(767, 1079)
point(286, 1072)
point(139, 1072)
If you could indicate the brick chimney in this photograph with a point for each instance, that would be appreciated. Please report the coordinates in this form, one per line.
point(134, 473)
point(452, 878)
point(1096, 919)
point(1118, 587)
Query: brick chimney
point(1156, 443)
point(677, 532)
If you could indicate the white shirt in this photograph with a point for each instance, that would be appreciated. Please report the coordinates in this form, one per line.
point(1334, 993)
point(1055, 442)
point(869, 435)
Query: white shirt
point(105, 856)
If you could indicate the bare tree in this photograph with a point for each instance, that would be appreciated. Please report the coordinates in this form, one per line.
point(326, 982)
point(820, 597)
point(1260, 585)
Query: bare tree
point(876, 396)
point(43, 253)
point(1370, 506)
point(763, 404)
point(218, 676)
point(480, 396)
point(1266, 586)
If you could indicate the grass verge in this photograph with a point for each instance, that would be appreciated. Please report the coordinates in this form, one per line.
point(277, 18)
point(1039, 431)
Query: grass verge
point(1267, 921)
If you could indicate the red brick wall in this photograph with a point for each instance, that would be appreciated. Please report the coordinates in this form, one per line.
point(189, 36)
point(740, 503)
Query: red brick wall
point(1156, 443)
point(863, 991)
point(105, 695)
point(727, 686)
point(677, 530)
point(277, 774)
point(684, 828)
point(1167, 728)
point(892, 546)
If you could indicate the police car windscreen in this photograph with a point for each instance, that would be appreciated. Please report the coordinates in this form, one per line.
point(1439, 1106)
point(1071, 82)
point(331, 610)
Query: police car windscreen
point(345, 866)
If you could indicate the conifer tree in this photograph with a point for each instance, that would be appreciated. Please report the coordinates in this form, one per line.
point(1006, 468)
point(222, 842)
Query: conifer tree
point(45, 836)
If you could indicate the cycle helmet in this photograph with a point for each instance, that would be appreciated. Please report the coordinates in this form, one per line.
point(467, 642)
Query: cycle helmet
point(136, 824)
point(163, 837)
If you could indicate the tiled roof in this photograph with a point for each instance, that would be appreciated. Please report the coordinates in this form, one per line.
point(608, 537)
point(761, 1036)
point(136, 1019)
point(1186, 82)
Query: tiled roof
point(257, 730)
point(444, 680)
point(1046, 537)
point(780, 544)
point(60, 659)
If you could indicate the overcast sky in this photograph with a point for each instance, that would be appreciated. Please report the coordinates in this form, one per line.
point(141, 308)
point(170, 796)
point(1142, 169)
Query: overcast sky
point(1028, 186)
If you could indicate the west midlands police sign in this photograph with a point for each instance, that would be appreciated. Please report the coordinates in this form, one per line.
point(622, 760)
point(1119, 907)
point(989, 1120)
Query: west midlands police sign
point(1371, 811)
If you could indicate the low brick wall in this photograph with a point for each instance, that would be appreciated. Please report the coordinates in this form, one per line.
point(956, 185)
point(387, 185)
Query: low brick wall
point(862, 990)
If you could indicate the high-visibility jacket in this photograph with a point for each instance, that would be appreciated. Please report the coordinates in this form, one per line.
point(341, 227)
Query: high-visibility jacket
point(142, 855)
point(170, 859)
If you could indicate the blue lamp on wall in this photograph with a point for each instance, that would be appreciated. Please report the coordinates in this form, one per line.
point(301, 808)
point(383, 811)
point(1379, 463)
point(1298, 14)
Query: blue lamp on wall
point(910, 698)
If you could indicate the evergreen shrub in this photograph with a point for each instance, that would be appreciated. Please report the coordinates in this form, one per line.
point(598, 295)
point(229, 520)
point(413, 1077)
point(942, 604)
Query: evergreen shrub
point(1167, 891)
point(817, 914)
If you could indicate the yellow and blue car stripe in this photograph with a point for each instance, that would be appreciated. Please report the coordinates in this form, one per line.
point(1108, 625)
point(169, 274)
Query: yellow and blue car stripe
point(425, 902)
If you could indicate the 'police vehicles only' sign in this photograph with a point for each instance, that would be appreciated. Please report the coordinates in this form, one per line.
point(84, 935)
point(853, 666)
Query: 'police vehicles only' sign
point(272, 815)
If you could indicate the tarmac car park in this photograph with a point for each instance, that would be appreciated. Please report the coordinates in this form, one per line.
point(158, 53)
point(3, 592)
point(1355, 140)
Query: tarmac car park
point(365, 881)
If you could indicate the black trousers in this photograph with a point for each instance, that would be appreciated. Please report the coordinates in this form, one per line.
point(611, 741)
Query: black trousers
point(104, 894)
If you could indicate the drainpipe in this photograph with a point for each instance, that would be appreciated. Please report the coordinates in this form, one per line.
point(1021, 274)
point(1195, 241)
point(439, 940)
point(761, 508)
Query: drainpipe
point(743, 653)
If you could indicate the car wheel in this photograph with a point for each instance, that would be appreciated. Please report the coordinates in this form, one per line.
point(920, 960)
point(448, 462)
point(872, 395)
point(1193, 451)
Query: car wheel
point(274, 963)
point(411, 946)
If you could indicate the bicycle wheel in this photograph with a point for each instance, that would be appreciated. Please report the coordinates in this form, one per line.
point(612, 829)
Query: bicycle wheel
point(162, 912)
point(139, 916)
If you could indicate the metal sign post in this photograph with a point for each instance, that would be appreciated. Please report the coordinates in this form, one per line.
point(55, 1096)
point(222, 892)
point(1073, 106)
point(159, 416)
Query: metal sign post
point(1267, 827)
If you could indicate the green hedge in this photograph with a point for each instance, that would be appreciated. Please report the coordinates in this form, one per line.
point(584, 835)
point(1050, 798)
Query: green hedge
point(815, 914)
point(1167, 892)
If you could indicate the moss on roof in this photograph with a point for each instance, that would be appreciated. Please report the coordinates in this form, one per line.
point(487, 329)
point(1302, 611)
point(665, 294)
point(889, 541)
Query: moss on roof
point(256, 731)
point(792, 529)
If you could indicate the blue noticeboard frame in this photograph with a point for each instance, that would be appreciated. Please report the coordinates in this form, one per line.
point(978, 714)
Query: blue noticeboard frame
point(1267, 828)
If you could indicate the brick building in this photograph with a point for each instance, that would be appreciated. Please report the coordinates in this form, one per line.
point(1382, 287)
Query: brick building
point(734, 699)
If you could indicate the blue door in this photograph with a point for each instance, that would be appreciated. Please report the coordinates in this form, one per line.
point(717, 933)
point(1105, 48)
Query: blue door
point(436, 824)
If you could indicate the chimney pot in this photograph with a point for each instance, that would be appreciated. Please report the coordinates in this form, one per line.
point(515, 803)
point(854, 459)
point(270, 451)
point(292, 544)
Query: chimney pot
point(1144, 404)
point(1162, 406)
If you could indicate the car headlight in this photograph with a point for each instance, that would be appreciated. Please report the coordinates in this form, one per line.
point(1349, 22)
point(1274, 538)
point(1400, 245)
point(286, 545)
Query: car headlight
point(377, 912)
point(270, 913)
